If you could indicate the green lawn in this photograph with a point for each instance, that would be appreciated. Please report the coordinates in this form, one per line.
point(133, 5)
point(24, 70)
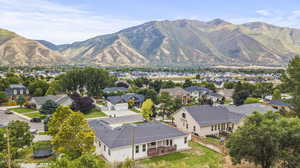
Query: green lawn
point(95, 113)
point(227, 102)
point(198, 157)
point(101, 103)
point(212, 140)
point(25, 156)
point(22, 110)
point(32, 115)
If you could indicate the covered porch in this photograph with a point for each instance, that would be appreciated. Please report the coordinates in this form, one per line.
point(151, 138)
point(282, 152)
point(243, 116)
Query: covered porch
point(161, 147)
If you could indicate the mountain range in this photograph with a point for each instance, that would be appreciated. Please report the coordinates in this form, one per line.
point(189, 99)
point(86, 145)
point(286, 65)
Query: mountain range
point(163, 43)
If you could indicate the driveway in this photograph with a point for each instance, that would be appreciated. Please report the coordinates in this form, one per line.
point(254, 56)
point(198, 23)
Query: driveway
point(6, 118)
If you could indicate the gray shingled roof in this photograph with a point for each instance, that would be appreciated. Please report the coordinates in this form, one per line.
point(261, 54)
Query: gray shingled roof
point(175, 91)
point(143, 133)
point(197, 88)
point(207, 115)
point(59, 99)
point(248, 109)
point(19, 86)
point(279, 103)
point(123, 119)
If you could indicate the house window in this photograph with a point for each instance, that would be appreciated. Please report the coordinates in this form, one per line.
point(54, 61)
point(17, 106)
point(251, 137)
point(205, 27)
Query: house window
point(109, 152)
point(215, 127)
point(99, 143)
point(15, 92)
point(167, 142)
point(218, 126)
point(212, 128)
point(144, 147)
point(187, 126)
point(185, 140)
point(171, 142)
point(194, 128)
point(183, 115)
point(104, 148)
point(137, 148)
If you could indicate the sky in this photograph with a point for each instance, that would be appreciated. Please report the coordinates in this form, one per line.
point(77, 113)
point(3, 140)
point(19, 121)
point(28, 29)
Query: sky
point(67, 21)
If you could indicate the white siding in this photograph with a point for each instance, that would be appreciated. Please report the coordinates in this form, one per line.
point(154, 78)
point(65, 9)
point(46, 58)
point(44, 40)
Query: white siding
point(120, 154)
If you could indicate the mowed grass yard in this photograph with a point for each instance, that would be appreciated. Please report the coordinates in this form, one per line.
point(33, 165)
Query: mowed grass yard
point(31, 113)
point(95, 113)
point(198, 157)
point(22, 110)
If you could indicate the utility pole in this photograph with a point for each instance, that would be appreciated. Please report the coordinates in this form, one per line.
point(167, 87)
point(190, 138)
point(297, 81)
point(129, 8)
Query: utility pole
point(132, 142)
point(8, 149)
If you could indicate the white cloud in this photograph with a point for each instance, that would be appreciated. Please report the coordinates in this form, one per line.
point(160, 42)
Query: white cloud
point(285, 19)
point(263, 12)
point(42, 19)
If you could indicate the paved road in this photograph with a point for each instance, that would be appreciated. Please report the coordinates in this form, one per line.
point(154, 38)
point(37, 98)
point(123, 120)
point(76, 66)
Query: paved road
point(6, 118)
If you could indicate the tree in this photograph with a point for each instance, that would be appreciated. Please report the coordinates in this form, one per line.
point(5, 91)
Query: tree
point(187, 83)
point(93, 80)
point(38, 87)
point(276, 95)
point(74, 136)
point(3, 84)
point(55, 87)
point(262, 89)
point(57, 118)
point(291, 80)
point(266, 139)
point(166, 106)
point(228, 85)
point(85, 161)
point(21, 100)
point(3, 97)
point(48, 107)
point(131, 103)
point(82, 104)
point(147, 109)
point(149, 94)
point(239, 97)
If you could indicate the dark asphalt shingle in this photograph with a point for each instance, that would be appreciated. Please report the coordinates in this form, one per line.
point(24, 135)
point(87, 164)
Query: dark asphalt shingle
point(143, 133)
point(207, 115)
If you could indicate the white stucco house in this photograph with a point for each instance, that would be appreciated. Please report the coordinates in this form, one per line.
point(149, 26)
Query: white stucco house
point(116, 144)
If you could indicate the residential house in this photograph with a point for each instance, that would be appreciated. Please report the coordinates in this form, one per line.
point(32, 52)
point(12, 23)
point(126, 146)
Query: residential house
point(121, 120)
point(178, 92)
point(203, 120)
point(248, 109)
point(215, 97)
point(59, 99)
point(121, 102)
point(16, 90)
point(197, 92)
point(137, 98)
point(137, 141)
point(279, 104)
point(116, 103)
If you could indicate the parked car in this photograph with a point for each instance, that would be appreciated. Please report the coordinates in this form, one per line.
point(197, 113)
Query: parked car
point(8, 112)
point(35, 119)
point(33, 131)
